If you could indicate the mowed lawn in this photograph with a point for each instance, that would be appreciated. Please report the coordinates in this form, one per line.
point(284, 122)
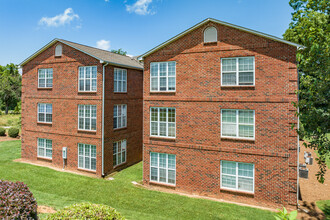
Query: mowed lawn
point(59, 189)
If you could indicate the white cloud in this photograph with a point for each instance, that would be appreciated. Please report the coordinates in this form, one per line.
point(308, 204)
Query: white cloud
point(140, 7)
point(103, 44)
point(59, 20)
point(106, 0)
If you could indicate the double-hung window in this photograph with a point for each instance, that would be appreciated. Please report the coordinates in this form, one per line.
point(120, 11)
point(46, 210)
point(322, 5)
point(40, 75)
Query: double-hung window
point(162, 168)
point(87, 156)
point(45, 148)
point(87, 117)
point(45, 112)
point(237, 176)
point(45, 78)
point(119, 116)
point(87, 78)
point(162, 76)
point(120, 80)
point(237, 71)
point(237, 123)
point(119, 152)
point(162, 122)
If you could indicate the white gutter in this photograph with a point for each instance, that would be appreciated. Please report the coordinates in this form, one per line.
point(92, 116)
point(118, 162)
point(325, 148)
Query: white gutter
point(103, 98)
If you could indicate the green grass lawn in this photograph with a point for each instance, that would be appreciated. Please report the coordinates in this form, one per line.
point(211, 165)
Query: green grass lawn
point(59, 189)
point(324, 205)
point(9, 120)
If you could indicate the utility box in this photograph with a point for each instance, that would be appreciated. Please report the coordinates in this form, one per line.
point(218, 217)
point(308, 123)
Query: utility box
point(64, 152)
point(309, 160)
point(303, 173)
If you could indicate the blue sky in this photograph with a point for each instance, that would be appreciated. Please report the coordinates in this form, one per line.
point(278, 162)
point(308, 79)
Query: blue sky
point(134, 25)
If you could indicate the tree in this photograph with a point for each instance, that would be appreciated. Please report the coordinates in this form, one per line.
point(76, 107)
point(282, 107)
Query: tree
point(310, 27)
point(119, 51)
point(10, 85)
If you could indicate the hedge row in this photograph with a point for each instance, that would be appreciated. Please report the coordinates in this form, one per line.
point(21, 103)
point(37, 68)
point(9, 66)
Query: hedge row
point(12, 132)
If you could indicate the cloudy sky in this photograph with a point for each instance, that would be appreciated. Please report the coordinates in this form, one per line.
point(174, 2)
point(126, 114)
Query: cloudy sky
point(134, 25)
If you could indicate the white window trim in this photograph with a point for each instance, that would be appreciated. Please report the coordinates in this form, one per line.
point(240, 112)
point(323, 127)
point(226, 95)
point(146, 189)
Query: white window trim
point(153, 181)
point(216, 35)
point(44, 147)
point(121, 117)
point(158, 121)
point(237, 125)
point(158, 77)
point(121, 144)
point(239, 190)
point(116, 81)
point(237, 71)
point(90, 118)
point(90, 157)
point(46, 78)
point(45, 113)
point(91, 79)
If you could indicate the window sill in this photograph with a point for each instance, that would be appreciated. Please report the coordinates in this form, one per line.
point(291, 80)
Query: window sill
point(120, 92)
point(86, 92)
point(237, 139)
point(163, 138)
point(238, 86)
point(162, 184)
point(85, 170)
point(45, 123)
point(213, 43)
point(162, 92)
point(118, 129)
point(87, 131)
point(45, 158)
point(119, 165)
point(237, 192)
point(45, 88)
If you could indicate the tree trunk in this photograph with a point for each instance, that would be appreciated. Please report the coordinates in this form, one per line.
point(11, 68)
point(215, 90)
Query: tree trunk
point(6, 110)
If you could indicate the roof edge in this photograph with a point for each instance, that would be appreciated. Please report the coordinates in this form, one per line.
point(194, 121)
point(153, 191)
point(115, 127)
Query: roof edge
point(222, 23)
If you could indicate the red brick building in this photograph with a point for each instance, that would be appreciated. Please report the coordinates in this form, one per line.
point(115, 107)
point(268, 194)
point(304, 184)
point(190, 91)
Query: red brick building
point(85, 99)
point(218, 113)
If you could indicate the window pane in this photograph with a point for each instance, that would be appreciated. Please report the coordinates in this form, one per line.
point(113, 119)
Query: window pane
point(48, 117)
point(171, 129)
point(94, 85)
point(228, 78)
point(42, 83)
point(171, 69)
point(228, 167)
point(245, 169)
point(49, 108)
point(93, 111)
point(81, 85)
point(162, 114)
point(246, 131)
point(154, 84)
point(81, 162)
point(154, 159)
point(154, 174)
point(229, 116)
point(49, 153)
point(246, 117)
point(93, 125)
point(171, 176)
point(114, 160)
point(171, 115)
point(81, 149)
point(171, 83)
point(171, 161)
point(41, 117)
point(93, 164)
point(162, 129)
point(228, 64)
point(81, 72)
point(228, 181)
point(162, 69)
point(245, 63)
point(88, 73)
point(154, 69)
point(162, 175)
point(94, 72)
point(162, 83)
point(162, 160)
point(245, 184)
point(246, 78)
point(87, 85)
point(41, 108)
point(81, 123)
point(229, 130)
point(154, 128)
point(87, 163)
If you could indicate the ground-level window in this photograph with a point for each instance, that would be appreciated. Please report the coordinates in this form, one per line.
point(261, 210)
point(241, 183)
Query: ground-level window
point(45, 112)
point(237, 71)
point(45, 148)
point(87, 156)
point(237, 176)
point(119, 152)
point(87, 117)
point(162, 122)
point(162, 168)
point(119, 116)
point(237, 123)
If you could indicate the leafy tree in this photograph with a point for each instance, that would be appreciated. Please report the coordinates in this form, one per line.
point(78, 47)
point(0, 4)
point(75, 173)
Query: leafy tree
point(310, 27)
point(10, 85)
point(119, 51)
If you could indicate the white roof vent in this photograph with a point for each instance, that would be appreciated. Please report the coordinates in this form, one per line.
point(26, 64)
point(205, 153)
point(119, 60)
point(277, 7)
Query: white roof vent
point(58, 50)
point(210, 35)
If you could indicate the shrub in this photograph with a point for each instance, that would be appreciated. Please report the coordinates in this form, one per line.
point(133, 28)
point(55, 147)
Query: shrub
point(2, 131)
point(87, 211)
point(17, 202)
point(284, 215)
point(13, 132)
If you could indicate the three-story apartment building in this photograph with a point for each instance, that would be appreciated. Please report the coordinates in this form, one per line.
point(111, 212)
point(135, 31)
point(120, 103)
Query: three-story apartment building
point(218, 114)
point(86, 100)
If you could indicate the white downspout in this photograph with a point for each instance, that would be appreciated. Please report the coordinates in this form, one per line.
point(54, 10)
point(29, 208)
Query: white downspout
point(103, 98)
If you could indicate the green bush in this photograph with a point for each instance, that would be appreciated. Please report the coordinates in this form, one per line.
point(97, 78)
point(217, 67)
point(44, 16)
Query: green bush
point(2, 131)
point(285, 215)
point(13, 132)
point(87, 211)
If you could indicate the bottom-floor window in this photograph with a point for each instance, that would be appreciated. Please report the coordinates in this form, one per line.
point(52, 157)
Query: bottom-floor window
point(119, 152)
point(237, 176)
point(45, 148)
point(87, 156)
point(162, 168)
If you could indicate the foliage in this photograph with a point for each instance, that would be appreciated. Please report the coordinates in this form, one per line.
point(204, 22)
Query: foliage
point(10, 85)
point(87, 211)
point(324, 205)
point(119, 51)
point(13, 132)
point(18, 107)
point(310, 27)
point(59, 189)
point(10, 120)
point(2, 131)
point(17, 202)
point(284, 215)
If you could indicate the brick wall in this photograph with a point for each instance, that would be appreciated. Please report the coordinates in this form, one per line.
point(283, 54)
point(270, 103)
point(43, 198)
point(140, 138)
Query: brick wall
point(65, 99)
point(198, 100)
